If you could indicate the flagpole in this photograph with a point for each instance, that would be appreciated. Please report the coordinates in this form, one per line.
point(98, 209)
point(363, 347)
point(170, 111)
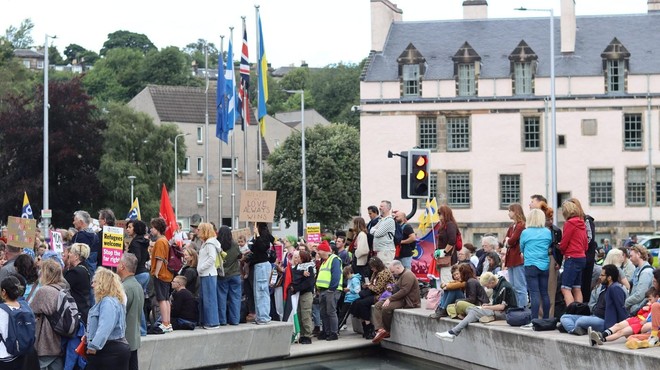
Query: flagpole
point(245, 126)
point(260, 159)
point(233, 142)
point(206, 121)
point(220, 60)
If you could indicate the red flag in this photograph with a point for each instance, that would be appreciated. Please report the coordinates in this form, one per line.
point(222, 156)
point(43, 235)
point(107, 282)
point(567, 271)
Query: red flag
point(167, 213)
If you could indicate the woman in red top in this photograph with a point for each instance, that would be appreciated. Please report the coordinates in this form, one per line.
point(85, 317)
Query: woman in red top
point(514, 261)
point(447, 240)
point(573, 246)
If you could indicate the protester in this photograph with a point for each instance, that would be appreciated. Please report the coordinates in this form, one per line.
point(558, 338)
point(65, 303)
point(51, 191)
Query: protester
point(79, 278)
point(85, 234)
point(361, 253)
point(383, 233)
point(189, 270)
point(229, 285)
point(351, 294)
point(262, 243)
point(304, 273)
point(208, 275)
point(488, 244)
point(535, 242)
point(134, 304)
point(107, 347)
point(373, 288)
point(27, 270)
point(11, 292)
point(475, 295)
point(573, 246)
point(161, 276)
point(184, 306)
point(514, 261)
point(452, 291)
point(642, 279)
point(328, 283)
point(652, 340)
point(405, 295)
point(11, 253)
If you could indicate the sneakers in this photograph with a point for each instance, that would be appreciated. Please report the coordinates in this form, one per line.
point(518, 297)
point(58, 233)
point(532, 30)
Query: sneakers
point(487, 319)
point(261, 322)
point(561, 329)
point(382, 334)
point(579, 331)
point(445, 335)
point(322, 336)
point(527, 327)
point(166, 329)
point(305, 340)
point(653, 341)
point(332, 336)
point(595, 337)
point(637, 344)
point(212, 327)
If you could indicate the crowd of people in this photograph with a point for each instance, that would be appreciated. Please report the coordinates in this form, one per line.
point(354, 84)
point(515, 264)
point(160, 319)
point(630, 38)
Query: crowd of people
point(364, 272)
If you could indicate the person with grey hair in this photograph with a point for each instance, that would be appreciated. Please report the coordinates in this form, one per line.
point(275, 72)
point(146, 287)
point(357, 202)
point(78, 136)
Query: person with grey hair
point(383, 233)
point(11, 253)
point(134, 303)
point(79, 278)
point(84, 234)
point(489, 244)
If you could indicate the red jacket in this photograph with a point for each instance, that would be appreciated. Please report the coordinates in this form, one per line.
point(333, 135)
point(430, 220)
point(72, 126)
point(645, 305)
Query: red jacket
point(574, 241)
point(513, 255)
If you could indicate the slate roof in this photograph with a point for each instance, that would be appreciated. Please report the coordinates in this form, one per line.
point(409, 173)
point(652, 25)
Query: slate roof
point(495, 39)
point(28, 53)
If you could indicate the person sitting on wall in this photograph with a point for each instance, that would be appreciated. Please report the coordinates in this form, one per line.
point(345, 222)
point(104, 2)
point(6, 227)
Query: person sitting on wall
point(630, 326)
point(452, 291)
point(504, 297)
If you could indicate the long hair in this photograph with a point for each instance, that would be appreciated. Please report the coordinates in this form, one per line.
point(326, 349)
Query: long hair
point(51, 273)
point(518, 213)
point(107, 284)
point(446, 214)
point(376, 263)
point(192, 262)
point(225, 238)
point(26, 267)
point(466, 271)
point(359, 225)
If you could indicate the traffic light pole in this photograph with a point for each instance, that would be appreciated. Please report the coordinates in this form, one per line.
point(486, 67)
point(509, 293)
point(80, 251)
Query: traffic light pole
point(413, 211)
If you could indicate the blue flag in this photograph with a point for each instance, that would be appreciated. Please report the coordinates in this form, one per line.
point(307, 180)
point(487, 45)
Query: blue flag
point(26, 212)
point(230, 89)
point(221, 103)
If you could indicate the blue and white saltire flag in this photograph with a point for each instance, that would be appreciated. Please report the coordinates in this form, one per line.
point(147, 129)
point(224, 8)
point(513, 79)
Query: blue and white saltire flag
point(221, 103)
point(230, 89)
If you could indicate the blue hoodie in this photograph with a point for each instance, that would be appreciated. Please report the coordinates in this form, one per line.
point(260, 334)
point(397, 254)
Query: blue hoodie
point(354, 288)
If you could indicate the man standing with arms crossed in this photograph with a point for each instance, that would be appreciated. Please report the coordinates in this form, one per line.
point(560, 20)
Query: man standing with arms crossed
point(383, 233)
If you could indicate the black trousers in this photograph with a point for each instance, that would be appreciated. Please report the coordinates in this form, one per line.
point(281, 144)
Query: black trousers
point(361, 308)
point(115, 355)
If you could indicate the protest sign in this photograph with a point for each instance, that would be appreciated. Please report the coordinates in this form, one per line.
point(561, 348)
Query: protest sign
point(21, 232)
point(247, 233)
point(56, 242)
point(113, 245)
point(313, 232)
point(257, 206)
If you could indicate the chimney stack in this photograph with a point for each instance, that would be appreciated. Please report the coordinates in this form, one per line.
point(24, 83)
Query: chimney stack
point(568, 26)
point(475, 9)
point(383, 13)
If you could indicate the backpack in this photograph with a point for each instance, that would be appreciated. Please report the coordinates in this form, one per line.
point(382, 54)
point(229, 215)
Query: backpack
point(66, 319)
point(459, 240)
point(174, 259)
point(20, 330)
point(398, 233)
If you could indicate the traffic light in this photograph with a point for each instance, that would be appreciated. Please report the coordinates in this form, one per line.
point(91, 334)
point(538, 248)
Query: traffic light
point(418, 173)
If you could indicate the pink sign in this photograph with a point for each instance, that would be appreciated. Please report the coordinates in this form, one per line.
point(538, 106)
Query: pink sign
point(113, 246)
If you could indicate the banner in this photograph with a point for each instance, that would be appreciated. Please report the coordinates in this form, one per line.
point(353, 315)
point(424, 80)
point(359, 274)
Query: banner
point(423, 263)
point(21, 232)
point(257, 206)
point(313, 232)
point(56, 242)
point(113, 245)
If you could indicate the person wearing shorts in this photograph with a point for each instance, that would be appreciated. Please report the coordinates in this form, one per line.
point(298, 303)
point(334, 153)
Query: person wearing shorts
point(162, 277)
point(573, 246)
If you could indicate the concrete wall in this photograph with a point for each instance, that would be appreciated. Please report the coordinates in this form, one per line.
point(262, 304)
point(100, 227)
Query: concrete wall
point(497, 345)
point(224, 346)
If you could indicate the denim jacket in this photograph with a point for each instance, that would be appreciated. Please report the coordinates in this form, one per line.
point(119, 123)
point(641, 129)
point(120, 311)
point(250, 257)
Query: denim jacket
point(107, 321)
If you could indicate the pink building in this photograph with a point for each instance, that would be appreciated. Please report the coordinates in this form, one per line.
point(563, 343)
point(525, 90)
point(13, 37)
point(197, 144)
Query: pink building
point(476, 93)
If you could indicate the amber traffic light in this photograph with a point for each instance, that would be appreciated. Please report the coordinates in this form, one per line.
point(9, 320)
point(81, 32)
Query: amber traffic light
point(418, 173)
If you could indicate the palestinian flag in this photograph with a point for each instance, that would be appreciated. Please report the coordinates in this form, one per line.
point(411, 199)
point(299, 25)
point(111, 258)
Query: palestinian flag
point(291, 304)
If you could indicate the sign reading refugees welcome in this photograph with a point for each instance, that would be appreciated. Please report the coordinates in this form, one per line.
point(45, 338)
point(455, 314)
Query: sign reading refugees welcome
point(314, 232)
point(113, 245)
point(257, 206)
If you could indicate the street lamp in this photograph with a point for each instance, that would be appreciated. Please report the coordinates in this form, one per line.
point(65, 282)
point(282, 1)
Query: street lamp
point(132, 178)
point(553, 113)
point(176, 176)
point(46, 220)
point(304, 176)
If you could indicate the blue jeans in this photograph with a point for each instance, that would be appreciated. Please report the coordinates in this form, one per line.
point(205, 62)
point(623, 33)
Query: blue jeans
point(316, 314)
point(229, 299)
point(208, 296)
point(517, 280)
point(406, 262)
point(261, 291)
point(572, 275)
point(450, 296)
point(570, 322)
point(143, 279)
point(537, 283)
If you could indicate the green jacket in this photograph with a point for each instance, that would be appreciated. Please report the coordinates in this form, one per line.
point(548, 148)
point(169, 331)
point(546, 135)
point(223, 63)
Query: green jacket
point(134, 304)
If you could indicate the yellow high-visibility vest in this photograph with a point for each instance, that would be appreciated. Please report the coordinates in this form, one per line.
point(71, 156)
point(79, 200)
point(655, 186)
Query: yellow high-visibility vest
point(325, 274)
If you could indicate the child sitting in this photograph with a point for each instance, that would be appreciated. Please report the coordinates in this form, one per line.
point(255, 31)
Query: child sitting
point(352, 291)
point(387, 293)
point(632, 325)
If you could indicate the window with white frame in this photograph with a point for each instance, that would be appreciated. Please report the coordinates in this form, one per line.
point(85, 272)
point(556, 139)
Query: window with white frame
point(200, 134)
point(458, 189)
point(466, 80)
point(601, 187)
point(40, 64)
point(509, 190)
point(200, 165)
point(636, 187)
point(531, 133)
point(458, 134)
point(26, 63)
point(200, 195)
point(227, 166)
point(523, 78)
point(615, 76)
point(410, 76)
point(186, 166)
point(428, 133)
point(657, 186)
point(632, 131)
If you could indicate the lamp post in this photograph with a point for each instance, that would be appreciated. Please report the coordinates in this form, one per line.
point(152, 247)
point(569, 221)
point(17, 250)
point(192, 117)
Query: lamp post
point(302, 145)
point(176, 177)
point(553, 113)
point(132, 178)
point(46, 220)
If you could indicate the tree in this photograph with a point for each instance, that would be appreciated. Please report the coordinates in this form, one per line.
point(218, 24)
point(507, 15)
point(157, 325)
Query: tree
point(54, 56)
point(14, 78)
point(126, 39)
point(333, 175)
point(166, 67)
point(135, 146)
point(117, 76)
point(195, 51)
point(21, 37)
point(336, 89)
point(75, 143)
point(76, 54)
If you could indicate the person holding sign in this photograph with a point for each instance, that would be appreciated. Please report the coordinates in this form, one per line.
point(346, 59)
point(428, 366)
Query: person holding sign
point(263, 241)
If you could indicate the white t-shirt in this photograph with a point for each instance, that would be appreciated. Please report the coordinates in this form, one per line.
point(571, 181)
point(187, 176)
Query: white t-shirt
point(4, 330)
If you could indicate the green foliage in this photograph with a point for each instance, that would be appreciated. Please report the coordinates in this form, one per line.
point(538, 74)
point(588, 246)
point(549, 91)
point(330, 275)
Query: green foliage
point(126, 39)
point(117, 76)
point(14, 78)
point(21, 36)
point(135, 146)
point(335, 90)
point(54, 56)
point(166, 67)
point(333, 175)
point(195, 51)
point(75, 144)
point(76, 54)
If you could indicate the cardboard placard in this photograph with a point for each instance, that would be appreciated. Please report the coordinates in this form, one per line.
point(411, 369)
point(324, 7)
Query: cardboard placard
point(247, 233)
point(56, 242)
point(113, 245)
point(257, 206)
point(21, 232)
point(314, 232)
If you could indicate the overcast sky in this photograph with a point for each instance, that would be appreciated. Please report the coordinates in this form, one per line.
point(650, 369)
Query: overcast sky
point(320, 32)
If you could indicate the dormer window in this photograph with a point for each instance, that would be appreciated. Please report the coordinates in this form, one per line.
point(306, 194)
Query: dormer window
point(411, 69)
point(466, 70)
point(615, 66)
point(523, 66)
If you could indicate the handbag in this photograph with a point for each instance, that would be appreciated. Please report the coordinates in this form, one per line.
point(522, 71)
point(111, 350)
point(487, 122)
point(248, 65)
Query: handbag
point(544, 324)
point(433, 298)
point(443, 261)
point(518, 316)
